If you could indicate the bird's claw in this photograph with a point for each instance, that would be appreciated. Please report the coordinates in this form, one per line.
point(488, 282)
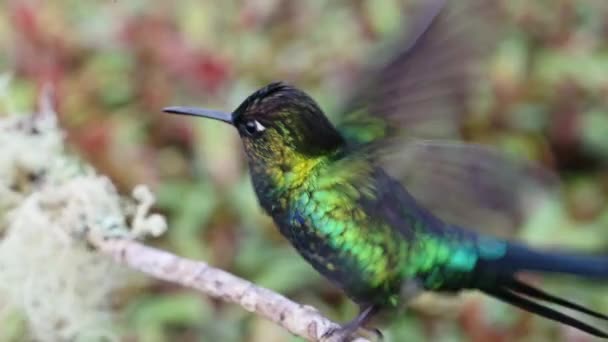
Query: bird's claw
point(347, 334)
point(373, 334)
point(338, 334)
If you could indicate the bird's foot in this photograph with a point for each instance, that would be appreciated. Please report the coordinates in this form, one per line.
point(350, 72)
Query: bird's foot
point(372, 334)
point(347, 334)
point(348, 331)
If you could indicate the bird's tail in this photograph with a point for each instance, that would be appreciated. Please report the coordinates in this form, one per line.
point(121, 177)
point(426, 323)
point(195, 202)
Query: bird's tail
point(530, 298)
point(521, 258)
point(511, 290)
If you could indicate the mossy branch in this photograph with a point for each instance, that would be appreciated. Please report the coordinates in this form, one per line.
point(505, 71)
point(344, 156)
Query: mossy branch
point(56, 207)
point(301, 320)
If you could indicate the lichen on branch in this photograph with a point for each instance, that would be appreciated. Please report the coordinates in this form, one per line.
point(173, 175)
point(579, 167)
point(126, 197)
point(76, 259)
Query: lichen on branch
point(66, 235)
point(49, 278)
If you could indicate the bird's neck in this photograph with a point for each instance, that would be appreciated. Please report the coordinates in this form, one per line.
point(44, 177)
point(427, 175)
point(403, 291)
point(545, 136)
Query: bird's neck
point(277, 180)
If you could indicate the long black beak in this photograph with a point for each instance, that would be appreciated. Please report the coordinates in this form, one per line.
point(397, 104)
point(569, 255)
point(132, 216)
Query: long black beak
point(206, 113)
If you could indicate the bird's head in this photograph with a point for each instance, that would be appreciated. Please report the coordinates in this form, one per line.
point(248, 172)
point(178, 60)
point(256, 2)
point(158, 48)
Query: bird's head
point(279, 125)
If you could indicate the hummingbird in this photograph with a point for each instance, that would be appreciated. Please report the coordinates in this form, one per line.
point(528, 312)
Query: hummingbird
point(336, 190)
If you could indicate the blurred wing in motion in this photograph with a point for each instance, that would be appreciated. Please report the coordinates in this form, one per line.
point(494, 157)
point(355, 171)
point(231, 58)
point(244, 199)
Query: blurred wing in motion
point(472, 186)
point(421, 90)
point(420, 93)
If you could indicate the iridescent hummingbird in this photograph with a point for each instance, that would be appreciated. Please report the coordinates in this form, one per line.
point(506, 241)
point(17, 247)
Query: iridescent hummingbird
point(336, 191)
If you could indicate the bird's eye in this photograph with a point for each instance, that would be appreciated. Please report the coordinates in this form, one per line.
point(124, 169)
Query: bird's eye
point(254, 127)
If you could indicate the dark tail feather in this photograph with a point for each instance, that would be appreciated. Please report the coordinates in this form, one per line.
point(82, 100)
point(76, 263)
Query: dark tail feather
point(527, 290)
point(526, 304)
point(521, 258)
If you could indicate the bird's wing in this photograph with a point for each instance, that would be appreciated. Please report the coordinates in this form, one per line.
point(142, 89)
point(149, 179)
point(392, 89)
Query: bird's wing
point(421, 90)
point(466, 185)
point(470, 185)
point(420, 93)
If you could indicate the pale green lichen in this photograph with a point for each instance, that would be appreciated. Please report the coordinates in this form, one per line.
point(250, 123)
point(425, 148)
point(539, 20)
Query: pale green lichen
point(49, 201)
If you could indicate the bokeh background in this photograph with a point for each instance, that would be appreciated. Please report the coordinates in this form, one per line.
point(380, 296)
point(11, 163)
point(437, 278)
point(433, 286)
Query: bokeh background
point(114, 64)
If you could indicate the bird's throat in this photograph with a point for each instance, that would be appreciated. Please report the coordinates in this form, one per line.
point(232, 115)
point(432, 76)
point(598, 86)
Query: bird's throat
point(277, 180)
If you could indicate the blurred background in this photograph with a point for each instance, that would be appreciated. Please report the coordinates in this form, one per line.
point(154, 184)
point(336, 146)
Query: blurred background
point(114, 64)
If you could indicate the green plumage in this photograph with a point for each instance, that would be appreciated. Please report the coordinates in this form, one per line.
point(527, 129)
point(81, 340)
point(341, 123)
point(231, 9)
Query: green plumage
point(334, 191)
point(335, 225)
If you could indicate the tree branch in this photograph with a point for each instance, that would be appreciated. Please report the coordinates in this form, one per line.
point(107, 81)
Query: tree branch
point(71, 206)
point(301, 320)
